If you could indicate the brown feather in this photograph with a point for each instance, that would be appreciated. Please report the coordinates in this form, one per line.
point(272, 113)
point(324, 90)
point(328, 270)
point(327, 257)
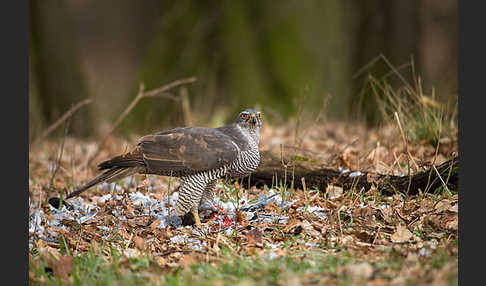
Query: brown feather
point(190, 149)
point(133, 158)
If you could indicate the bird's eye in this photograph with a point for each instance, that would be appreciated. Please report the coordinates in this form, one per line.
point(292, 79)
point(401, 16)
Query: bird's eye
point(244, 115)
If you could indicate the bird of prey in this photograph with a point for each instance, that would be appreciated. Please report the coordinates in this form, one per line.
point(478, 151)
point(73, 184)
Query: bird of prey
point(198, 155)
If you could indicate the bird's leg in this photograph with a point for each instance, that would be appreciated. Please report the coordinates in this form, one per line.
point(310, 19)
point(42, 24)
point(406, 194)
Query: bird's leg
point(195, 214)
point(205, 204)
point(190, 194)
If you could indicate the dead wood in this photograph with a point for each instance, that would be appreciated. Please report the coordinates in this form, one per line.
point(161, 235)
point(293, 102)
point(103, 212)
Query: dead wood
point(141, 94)
point(271, 172)
point(58, 122)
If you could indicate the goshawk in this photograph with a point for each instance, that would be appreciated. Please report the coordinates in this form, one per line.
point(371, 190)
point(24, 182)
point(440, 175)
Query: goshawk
point(198, 155)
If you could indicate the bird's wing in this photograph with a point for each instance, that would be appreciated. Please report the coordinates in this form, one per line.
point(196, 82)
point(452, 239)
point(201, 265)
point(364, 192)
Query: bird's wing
point(187, 149)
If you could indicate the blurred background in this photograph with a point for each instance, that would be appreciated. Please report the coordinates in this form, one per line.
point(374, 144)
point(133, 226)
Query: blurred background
point(279, 56)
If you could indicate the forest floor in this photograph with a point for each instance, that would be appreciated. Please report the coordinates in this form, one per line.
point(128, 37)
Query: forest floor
point(123, 233)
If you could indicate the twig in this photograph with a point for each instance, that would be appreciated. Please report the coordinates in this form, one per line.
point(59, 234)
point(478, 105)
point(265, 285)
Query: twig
point(119, 119)
point(339, 222)
point(166, 87)
point(336, 154)
point(303, 95)
point(285, 174)
point(442, 181)
point(141, 94)
point(58, 162)
point(63, 118)
point(169, 207)
point(186, 108)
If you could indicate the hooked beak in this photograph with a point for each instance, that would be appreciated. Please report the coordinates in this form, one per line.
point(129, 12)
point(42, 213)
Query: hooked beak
point(253, 118)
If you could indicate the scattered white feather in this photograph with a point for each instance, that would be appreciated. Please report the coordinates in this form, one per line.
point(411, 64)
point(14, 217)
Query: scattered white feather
point(355, 174)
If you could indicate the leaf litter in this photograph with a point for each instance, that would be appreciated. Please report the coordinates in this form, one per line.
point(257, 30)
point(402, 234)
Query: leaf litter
point(134, 215)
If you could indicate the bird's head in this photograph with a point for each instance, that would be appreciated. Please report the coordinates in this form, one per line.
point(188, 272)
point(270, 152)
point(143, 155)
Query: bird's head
point(250, 119)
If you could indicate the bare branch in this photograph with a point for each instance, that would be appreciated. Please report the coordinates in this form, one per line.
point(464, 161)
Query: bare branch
point(164, 88)
point(141, 94)
point(63, 118)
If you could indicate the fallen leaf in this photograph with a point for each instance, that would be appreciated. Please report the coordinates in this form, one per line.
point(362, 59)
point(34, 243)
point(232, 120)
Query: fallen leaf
point(334, 192)
point(293, 224)
point(240, 216)
point(451, 223)
point(347, 240)
point(131, 252)
point(454, 208)
point(360, 271)
point(154, 224)
point(364, 235)
point(139, 242)
point(161, 261)
point(442, 206)
point(63, 266)
point(187, 260)
point(309, 229)
point(272, 207)
point(402, 234)
point(254, 236)
point(433, 221)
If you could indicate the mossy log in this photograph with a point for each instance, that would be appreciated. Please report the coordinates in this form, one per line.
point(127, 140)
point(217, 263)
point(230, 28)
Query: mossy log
point(272, 172)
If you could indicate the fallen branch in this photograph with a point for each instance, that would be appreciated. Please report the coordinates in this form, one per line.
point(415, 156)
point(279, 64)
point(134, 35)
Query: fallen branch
point(319, 176)
point(63, 118)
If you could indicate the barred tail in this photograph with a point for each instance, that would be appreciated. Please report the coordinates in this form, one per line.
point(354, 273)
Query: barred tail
point(116, 168)
point(111, 175)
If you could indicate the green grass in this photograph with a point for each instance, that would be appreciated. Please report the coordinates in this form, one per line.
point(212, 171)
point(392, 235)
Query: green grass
point(93, 268)
point(303, 267)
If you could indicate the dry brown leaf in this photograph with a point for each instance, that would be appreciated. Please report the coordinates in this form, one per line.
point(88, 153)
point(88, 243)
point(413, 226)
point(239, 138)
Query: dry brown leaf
point(452, 223)
point(364, 235)
point(426, 205)
point(240, 216)
point(125, 235)
point(187, 260)
point(442, 206)
point(432, 221)
point(334, 192)
point(139, 242)
point(154, 224)
point(454, 208)
point(349, 157)
point(309, 229)
point(360, 271)
point(292, 224)
point(402, 234)
point(131, 252)
point(272, 207)
point(319, 226)
point(161, 261)
point(347, 240)
point(63, 266)
point(47, 251)
point(254, 237)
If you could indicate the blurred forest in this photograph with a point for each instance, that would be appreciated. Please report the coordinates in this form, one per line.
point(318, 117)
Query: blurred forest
point(265, 54)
